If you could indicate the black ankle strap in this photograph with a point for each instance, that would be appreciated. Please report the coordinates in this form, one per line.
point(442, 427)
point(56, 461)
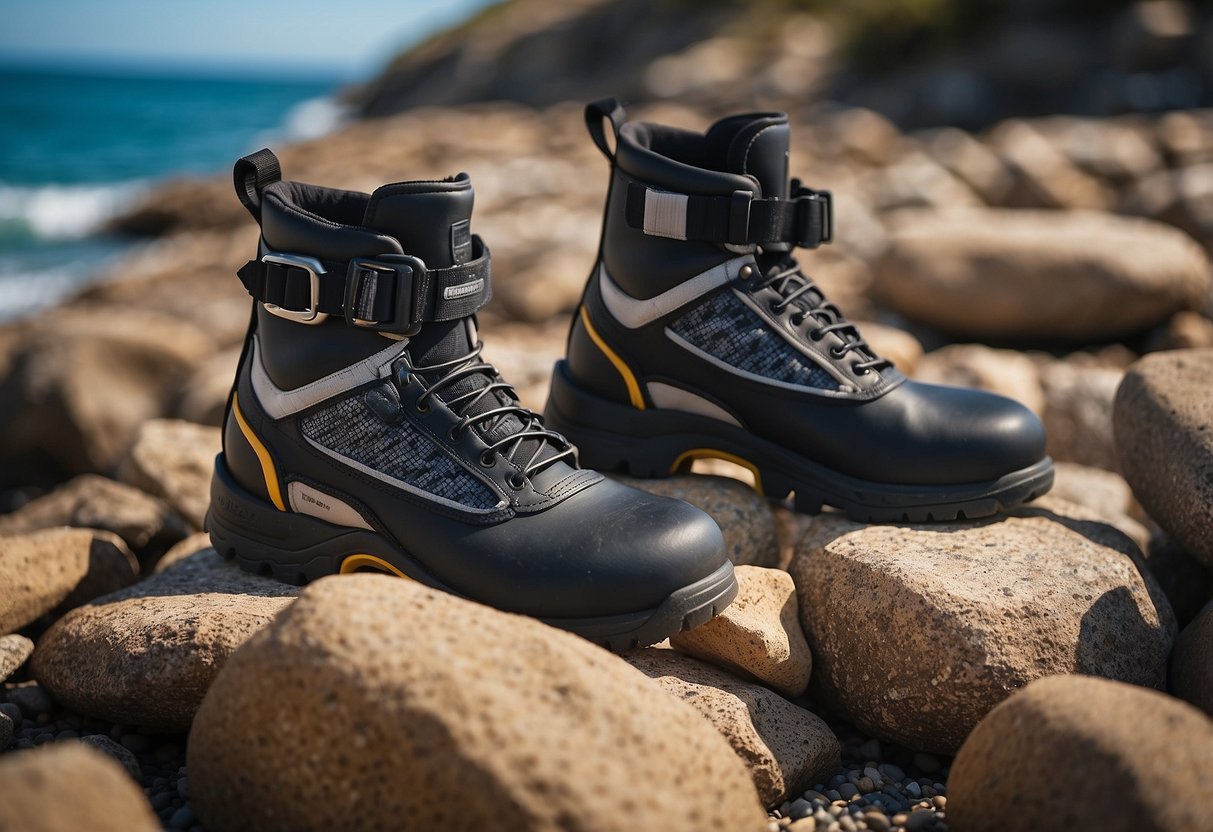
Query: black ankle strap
point(388, 293)
point(805, 220)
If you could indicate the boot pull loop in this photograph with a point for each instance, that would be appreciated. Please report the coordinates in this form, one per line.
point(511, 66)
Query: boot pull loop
point(595, 113)
point(252, 174)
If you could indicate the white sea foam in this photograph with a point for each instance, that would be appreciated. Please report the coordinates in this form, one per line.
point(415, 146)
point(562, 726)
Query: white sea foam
point(57, 212)
point(313, 118)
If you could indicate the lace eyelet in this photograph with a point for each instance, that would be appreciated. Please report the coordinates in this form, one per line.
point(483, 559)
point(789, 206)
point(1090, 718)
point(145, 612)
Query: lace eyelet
point(422, 408)
point(454, 433)
point(515, 481)
point(836, 353)
point(797, 319)
point(488, 459)
point(859, 371)
point(815, 334)
point(775, 306)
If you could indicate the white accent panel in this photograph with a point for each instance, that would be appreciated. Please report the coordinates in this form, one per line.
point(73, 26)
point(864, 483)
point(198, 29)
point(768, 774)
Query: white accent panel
point(305, 500)
point(634, 313)
point(729, 368)
point(277, 402)
point(665, 214)
point(675, 398)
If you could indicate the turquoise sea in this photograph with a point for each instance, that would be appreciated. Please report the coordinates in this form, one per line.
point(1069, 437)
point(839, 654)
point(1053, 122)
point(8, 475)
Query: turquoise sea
point(77, 148)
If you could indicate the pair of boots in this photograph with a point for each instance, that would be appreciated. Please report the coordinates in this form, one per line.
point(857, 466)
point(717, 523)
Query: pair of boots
point(364, 430)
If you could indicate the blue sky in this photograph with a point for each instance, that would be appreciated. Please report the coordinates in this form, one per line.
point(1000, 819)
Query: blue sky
point(344, 39)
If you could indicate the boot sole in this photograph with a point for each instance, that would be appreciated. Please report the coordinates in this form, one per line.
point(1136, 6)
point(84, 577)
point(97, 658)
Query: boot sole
point(296, 548)
point(658, 443)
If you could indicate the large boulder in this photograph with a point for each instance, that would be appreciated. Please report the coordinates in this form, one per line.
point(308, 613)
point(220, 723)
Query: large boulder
point(1192, 662)
point(1133, 760)
point(68, 785)
point(1021, 276)
point(147, 655)
point(174, 460)
point(758, 635)
point(918, 631)
point(94, 502)
point(374, 702)
point(1163, 416)
point(57, 569)
point(84, 379)
point(744, 516)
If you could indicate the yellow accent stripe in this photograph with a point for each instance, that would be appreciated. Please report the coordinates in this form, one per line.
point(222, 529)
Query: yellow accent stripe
point(353, 563)
point(267, 463)
point(683, 463)
point(624, 370)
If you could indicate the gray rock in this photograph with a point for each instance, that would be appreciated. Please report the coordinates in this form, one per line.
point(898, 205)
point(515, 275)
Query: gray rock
point(1192, 662)
point(122, 754)
point(174, 460)
point(31, 698)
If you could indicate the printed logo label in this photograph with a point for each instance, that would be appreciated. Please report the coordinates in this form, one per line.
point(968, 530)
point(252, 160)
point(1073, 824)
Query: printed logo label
point(463, 289)
point(315, 503)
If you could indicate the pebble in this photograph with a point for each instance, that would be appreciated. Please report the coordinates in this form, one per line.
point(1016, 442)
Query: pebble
point(891, 772)
point(877, 821)
point(31, 699)
point(800, 808)
point(913, 789)
point(804, 825)
point(183, 788)
point(7, 729)
point(848, 790)
point(12, 712)
point(866, 785)
point(183, 818)
point(919, 819)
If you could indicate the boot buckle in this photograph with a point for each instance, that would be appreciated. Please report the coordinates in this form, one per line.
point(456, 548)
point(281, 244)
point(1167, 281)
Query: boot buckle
point(368, 276)
point(313, 267)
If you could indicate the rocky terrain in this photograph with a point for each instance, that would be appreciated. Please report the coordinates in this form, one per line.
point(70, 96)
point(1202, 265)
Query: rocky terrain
point(1046, 669)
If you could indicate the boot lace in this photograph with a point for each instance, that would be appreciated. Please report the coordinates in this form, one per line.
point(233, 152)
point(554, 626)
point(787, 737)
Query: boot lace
point(470, 365)
point(797, 289)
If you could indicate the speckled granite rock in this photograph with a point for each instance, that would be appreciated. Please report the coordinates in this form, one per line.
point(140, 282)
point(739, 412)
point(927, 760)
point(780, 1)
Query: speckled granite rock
point(146, 655)
point(1164, 435)
point(918, 631)
point(1141, 759)
point(758, 635)
point(785, 747)
point(1006, 372)
point(485, 720)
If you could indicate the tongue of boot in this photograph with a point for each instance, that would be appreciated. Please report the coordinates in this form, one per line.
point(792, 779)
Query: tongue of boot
point(432, 220)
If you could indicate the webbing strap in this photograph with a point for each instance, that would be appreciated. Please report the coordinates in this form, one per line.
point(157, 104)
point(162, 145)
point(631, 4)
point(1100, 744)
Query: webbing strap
point(806, 219)
point(390, 292)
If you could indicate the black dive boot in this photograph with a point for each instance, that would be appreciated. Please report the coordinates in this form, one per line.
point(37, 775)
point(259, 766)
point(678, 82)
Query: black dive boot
point(365, 432)
point(699, 336)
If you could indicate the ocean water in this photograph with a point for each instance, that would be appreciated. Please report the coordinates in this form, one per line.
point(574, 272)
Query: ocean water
point(76, 149)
